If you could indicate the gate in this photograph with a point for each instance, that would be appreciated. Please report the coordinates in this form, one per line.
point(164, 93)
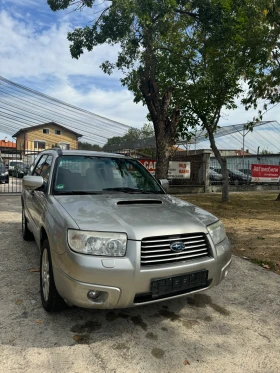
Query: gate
point(15, 164)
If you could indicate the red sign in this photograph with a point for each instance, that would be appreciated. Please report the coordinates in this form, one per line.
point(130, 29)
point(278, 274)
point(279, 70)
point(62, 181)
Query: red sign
point(149, 164)
point(265, 173)
point(176, 170)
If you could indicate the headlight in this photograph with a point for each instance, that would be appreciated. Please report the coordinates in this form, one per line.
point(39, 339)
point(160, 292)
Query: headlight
point(97, 243)
point(217, 232)
point(6, 173)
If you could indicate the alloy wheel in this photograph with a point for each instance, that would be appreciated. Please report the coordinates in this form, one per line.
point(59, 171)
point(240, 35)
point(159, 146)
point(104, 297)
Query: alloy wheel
point(45, 273)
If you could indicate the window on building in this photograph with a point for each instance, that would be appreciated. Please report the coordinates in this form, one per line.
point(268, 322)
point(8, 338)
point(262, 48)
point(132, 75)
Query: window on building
point(46, 131)
point(64, 146)
point(39, 145)
point(57, 132)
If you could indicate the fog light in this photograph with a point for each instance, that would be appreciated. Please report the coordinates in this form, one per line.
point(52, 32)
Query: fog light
point(93, 294)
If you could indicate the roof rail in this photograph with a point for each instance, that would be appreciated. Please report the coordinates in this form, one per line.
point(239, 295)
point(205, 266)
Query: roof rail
point(59, 151)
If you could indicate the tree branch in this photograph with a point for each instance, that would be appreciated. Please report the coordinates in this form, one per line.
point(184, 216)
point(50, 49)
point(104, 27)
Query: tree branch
point(191, 14)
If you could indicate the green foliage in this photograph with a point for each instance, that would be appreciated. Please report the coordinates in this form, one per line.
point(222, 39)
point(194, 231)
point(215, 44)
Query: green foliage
point(134, 139)
point(88, 146)
point(264, 82)
point(184, 59)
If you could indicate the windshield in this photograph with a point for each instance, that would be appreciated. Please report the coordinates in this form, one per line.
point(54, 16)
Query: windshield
point(94, 175)
point(14, 163)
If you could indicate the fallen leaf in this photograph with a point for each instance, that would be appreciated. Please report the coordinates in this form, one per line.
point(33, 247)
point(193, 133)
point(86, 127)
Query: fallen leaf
point(186, 362)
point(39, 321)
point(34, 270)
point(82, 339)
point(18, 302)
point(241, 249)
point(266, 266)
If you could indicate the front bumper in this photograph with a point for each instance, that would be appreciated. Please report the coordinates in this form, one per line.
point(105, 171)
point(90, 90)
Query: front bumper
point(122, 281)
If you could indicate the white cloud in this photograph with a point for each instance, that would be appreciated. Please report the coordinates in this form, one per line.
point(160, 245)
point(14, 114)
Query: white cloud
point(116, 105)
point(42, 59)
point(25, 52)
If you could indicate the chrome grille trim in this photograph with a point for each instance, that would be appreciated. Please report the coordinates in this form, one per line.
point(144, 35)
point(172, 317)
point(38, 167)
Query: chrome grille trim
point(156, 250)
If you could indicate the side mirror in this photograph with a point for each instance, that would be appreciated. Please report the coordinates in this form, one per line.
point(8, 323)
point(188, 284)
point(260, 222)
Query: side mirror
point(164, 183)
point(32, 182)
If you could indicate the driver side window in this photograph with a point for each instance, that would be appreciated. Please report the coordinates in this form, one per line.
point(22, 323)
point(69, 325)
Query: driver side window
point(43, 167)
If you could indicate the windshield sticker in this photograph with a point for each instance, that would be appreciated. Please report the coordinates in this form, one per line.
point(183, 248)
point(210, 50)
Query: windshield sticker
point(60, 186)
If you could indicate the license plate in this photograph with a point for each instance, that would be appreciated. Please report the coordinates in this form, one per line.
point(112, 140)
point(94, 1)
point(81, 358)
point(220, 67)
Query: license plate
point(180, 283)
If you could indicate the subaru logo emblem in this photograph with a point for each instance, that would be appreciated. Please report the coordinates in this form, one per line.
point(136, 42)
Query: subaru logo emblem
point(177, 246)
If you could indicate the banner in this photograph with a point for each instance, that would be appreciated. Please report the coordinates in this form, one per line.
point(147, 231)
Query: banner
point(265, 173)
point(176, 170)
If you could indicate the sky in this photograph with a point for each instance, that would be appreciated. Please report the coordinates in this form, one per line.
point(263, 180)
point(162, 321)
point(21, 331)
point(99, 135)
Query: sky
point(34, 52)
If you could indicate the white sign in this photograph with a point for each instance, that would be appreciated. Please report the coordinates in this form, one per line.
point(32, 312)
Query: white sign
point(179, 170)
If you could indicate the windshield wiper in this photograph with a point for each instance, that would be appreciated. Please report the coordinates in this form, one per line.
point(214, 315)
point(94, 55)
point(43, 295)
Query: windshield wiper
point(77, 192)
point(132, 190)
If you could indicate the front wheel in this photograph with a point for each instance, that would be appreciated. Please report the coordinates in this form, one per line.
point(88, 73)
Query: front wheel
point(51, 300)
point(26, 232)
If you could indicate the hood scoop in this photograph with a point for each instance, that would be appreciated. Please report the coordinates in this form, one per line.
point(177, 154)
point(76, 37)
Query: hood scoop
point(140, 202)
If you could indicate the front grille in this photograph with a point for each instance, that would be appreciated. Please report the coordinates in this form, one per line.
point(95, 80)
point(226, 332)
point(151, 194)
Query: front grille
point(156, 250)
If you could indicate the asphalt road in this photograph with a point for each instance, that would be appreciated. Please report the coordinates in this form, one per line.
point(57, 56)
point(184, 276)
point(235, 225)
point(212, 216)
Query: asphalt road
point(234, 327)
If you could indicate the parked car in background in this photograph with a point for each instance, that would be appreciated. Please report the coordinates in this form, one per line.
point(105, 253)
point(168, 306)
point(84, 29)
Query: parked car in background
point(4, 174)
point(214, 177)
point(246, 171)
point(110, 237)
point(235, 177)
point(20, 170)
point(12, 164)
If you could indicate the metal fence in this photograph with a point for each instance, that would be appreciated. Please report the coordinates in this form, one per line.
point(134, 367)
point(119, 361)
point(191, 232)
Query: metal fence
point(240, 169)
point(204, 171)
point(15, 163)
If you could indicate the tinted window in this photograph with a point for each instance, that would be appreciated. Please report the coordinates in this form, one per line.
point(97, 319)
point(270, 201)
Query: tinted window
point(100, 174)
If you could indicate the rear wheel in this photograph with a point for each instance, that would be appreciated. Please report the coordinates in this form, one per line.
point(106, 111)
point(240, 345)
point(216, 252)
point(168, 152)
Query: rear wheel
point(51, 300)
point(26, 232)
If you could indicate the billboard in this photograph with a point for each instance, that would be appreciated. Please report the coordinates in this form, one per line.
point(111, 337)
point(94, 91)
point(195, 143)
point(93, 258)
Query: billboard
point(265, 173)
point(176, 170)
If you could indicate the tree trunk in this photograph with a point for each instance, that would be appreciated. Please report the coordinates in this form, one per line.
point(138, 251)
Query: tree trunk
point(163, 148)
point(223, 163)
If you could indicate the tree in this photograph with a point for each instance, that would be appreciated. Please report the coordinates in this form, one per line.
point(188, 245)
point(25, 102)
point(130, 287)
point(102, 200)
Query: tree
point(224, 45)
point(88, 146)
point(134, 139)
point(184, 59)
point(139, 27)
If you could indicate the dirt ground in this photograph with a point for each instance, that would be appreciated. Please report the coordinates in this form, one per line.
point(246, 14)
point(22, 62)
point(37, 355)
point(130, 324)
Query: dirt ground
point(252, 221)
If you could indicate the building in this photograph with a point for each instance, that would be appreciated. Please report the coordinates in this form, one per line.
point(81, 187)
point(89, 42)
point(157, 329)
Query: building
point(7, 150)
point(45, 136)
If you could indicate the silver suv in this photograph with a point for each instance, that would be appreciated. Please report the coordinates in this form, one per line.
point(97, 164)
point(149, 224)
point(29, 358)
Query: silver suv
point(110, 237)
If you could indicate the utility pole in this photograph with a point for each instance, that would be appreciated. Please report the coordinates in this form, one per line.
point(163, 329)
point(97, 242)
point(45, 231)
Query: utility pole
point(243, 134)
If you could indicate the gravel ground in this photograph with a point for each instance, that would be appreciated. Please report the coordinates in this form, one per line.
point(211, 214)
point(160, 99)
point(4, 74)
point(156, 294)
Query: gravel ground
point(234, 327)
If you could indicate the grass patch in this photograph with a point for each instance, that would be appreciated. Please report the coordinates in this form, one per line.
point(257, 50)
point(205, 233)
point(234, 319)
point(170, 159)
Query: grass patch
point(252, 221)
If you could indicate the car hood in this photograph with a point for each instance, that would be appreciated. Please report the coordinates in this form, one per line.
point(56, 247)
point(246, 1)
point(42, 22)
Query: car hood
point(137, 215)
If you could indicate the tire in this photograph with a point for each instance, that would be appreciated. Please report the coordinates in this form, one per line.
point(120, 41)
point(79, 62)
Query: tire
point(51, 300)
point(27, 235)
